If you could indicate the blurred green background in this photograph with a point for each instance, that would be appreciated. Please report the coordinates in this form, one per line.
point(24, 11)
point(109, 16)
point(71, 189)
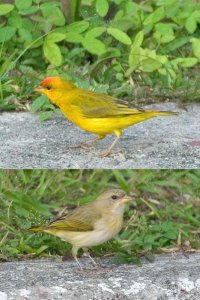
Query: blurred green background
point(144, 51)
point(167, 217)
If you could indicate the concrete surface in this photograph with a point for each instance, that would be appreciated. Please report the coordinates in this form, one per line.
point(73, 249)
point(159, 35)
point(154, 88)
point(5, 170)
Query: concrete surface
point(169, 277)
point(164, 142)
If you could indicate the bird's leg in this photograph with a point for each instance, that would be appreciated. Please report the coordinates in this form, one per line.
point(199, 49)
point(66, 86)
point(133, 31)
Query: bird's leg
point(76, 259)
point(74, 254)
point(87, 254)
point(87, 144)
point(109, 150)
point(95, 264)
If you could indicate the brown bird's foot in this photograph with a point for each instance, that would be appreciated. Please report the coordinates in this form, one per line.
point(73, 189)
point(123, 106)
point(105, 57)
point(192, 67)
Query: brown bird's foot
point(78, 263)
point(87, 144)
point(100, 269)
point(108, 152)
point(97, 268)
point(110, 149)
point(82, 145)
point(87, 254)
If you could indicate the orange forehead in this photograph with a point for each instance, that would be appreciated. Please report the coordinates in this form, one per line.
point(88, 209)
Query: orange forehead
point(50, 80)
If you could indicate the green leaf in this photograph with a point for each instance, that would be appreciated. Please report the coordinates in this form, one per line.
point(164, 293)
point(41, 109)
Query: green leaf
point(134, 57)
point(188, 62)
point(184, 62)
point(196, 47)
point(94, 46)
point(45, 115)
point(55, 37)
point(176, 43)
point(29, 10)
point(73, 37)
point(38, 103)
point(95, 32)
point(52, 53)
point(150, 65)
point(164, 29)
point(191, 24)
point(132, 8)
point(53, 14)
point(25, 34)
point(156, 16)
point(167, 39)
point(102, 7)
point(5, 9)
point(22, 4)
point(138, 39)
point(119, 35)
point(6, 33)
point(78, 27)
point(15, 20)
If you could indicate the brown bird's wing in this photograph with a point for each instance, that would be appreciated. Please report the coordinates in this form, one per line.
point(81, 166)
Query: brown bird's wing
point(95, 105)
point(82, 218)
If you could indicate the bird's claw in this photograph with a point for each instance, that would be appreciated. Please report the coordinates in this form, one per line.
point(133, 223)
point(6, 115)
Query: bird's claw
point(81, 145)
point(108, 152)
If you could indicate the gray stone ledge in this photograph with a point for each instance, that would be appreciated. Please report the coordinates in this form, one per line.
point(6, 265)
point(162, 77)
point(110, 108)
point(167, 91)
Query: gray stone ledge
point(169, 277)
point(164, 142)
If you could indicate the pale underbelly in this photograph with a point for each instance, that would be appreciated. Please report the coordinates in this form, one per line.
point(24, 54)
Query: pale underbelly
point(85, 239)
point(104, 229)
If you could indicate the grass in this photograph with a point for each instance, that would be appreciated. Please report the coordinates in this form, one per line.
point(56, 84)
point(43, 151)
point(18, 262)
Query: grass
point(18, 79)
point(17, 90)
point(167, 217)
point(114, 71)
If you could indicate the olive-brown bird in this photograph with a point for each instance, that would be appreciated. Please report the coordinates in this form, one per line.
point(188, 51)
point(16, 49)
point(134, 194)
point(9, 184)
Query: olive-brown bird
point(90, 224)
point(97, 113)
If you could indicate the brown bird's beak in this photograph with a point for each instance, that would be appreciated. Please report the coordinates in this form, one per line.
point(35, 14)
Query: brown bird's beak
point(126, 199)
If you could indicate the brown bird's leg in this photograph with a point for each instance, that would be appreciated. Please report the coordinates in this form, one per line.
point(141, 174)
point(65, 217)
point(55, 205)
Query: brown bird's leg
point(109, 150)
point(87, 254)
point(86, 144)
point(95, 264)
point(74, 254)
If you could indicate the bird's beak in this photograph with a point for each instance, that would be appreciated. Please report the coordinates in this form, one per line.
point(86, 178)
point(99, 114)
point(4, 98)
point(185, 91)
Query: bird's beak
point(126, 199)
point(38, 89)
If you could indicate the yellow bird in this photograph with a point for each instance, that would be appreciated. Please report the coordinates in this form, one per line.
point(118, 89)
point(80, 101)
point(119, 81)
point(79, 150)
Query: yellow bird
point(97, 113)
point(90, 224)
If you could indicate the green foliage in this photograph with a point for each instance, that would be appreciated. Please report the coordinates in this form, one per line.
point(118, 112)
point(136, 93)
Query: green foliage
point(113, 42)
point(167, 216)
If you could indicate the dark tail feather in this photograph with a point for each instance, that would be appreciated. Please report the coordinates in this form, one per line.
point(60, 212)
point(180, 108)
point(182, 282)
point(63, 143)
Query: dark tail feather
point(36, 229)
point(162, 113)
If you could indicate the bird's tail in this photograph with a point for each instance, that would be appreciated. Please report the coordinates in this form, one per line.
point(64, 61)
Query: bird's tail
point(162, 113)
point(36, 229)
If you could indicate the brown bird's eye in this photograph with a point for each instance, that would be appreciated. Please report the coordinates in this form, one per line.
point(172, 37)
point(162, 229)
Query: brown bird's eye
point(114, 197)
point(48, 87)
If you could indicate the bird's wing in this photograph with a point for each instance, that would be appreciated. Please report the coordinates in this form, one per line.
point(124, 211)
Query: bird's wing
point(94, 105)
point(82, 218)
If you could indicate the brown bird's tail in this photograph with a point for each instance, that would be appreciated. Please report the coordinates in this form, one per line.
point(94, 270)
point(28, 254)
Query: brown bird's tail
point(155, 113)
point(36, 229)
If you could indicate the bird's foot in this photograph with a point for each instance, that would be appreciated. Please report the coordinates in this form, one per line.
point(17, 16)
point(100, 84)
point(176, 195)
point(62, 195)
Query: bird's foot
point(81, 145)
point(101, 269)
point(108, 152)
point(87, 144)
point(94, 271)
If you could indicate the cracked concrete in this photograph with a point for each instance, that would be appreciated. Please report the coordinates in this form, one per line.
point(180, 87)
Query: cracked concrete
point(169, 277)
point(164, 142)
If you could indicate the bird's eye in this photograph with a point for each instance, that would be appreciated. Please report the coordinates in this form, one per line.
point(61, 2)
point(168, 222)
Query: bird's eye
point(48, 87)
point(114, 197)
